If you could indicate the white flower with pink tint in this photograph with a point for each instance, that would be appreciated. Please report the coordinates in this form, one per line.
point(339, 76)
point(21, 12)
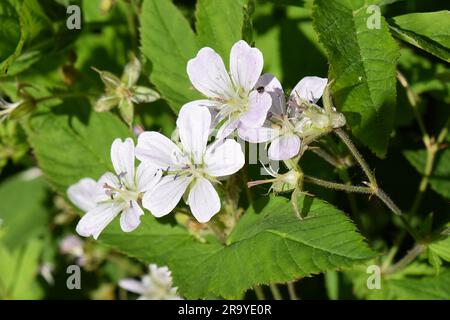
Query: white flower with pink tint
point(285, 124)
point(232, 98)
point(114, 194)
point(156, 285)
point(191, 166)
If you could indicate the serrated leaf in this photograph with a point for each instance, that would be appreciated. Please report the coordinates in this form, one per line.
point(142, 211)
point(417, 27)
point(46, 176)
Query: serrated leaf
point(363, 65)
point(219, 24)
point(70, 142)
point(168, 42)
point(429, 31)
point(440, 177)
point(269, 246)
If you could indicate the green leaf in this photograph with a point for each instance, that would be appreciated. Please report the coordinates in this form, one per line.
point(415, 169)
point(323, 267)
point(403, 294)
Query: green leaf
point(11, 40)
point(267, 246)
point(429, 31)
point(440, 177)
point(168, 42)
point(441, 248)
point(363, 65)
point(426, 288)
point(219, 24)
point(23, 219)
point(71, 144)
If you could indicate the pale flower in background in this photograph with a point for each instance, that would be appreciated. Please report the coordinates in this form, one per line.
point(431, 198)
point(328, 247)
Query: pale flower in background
point(72, 246)
point(156, 285)
point(232, 99)
point(114, 194)
point(190, 167)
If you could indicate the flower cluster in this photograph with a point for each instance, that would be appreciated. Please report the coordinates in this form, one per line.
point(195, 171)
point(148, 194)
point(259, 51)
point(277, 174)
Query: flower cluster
point(187, 166)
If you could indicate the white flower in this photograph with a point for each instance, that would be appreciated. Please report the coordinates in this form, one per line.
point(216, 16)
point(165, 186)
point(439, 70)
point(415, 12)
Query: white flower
point(157, 285)
point(284, 126)
point(71, 245)
point(192, 166)
point(234, 98)
point(7, 108)
point(114, 194)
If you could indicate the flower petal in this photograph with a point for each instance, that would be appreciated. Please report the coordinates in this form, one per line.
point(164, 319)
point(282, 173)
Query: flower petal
point(122, 157)
point(272, 86)
point(227, 128)
point(225, 159)
point(212, 106)
point(258, 105)
point(131, 72)
point(257, 135)
point(82, 194)
point(106, 102)
point(157, 150)
point(93, 222)
point(246, 64)
point(193, 124)
point(130, 218)
point(203, 200)
point(310, 89)
point(284, 148)
point(132, 285)
point(147, 176)
point(208, 74)
point(164, 197)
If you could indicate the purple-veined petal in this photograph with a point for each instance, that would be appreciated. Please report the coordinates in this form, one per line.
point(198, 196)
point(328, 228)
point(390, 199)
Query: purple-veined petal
point(246, 64)
point(164, 197)
point(132, 285)
point(130, 218)
point(147, 176)
point(157, 150)
point(122, 157)
point(273, 87)
point(95, 220)
point(108, 179)
point(258, 105)
point(227, 128)
point(203, 200)
point(193, 125)
point(257, 135)
point(310, 89)
point(225, 159)
point(82, 194)
point(284, 147)
point(208, 74)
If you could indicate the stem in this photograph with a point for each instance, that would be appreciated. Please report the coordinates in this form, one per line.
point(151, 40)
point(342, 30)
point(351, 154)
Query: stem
point(327, 157)
point(358, 157)
point(407, 259)
point(432, 149)
point(414, 102)
point(275, 291)
point(338, 186)
point(259, 292)
point(291, 289)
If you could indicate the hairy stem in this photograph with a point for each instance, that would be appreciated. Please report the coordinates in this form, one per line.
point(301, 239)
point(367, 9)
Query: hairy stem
point(338, 186)
point(358, 157)
point(407, 259)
